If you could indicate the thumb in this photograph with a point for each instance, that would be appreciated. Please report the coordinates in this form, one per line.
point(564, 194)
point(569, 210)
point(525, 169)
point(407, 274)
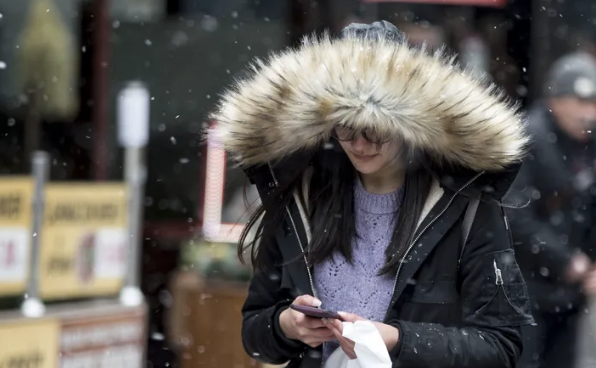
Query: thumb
point(307, 300)
point(350, 317)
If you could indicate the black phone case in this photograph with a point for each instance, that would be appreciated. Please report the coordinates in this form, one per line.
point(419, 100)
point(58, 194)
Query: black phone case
point(315, 312)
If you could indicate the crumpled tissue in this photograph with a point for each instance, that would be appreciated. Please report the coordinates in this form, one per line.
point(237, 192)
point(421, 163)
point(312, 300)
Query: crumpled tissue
point(369, 347)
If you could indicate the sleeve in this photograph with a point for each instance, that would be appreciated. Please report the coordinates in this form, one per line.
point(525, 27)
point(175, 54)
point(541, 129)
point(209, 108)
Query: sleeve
point(494, 303)
point(262, 336)
point(537, 243)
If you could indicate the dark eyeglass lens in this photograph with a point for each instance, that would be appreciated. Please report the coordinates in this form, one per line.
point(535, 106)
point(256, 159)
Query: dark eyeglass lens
point(347, 134)
point(375, 138)
point(344, 134)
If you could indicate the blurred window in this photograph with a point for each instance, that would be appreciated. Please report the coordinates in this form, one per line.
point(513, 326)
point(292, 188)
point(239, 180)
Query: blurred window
point(187, 55)
point(241, 198)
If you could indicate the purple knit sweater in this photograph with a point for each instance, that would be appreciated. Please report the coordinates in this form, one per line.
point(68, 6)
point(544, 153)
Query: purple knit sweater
point(357, 288)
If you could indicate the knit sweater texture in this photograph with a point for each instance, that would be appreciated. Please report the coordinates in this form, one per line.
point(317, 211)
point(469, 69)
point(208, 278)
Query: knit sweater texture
point(357, 288)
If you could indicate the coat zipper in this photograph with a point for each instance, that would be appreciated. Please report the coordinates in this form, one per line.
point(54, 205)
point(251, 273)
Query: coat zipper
point(420, 234)
point(498, 274)
point(310, 278)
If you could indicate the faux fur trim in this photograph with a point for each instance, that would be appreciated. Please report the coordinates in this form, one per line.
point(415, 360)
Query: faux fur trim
point(434, 195)
point(293, 100)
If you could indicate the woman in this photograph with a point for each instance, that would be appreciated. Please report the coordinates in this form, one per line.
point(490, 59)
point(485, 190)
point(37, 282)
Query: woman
point(366, 153)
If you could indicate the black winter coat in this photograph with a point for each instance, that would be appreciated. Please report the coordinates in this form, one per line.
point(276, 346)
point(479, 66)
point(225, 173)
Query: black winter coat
point(451, 311)
point(452, 308)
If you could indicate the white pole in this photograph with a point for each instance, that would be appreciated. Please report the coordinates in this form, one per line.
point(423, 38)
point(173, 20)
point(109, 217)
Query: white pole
point(32, 305)
point(133, 135)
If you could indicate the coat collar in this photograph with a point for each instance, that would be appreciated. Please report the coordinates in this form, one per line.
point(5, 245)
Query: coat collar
point(435, 194)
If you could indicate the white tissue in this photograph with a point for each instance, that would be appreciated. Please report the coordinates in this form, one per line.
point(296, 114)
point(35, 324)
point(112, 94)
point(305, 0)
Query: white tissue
point(370, 349)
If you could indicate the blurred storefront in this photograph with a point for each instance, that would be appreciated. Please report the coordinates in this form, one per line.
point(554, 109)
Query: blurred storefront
point(65, 240)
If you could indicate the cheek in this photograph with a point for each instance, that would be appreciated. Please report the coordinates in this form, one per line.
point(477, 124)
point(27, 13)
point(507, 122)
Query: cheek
point(344, 145)
point(390, 152)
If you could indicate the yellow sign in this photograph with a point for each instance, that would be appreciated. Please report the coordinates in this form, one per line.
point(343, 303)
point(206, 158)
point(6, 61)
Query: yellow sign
point(16, 196)
point(115, 338)
point(83, 240)
point(29, 343)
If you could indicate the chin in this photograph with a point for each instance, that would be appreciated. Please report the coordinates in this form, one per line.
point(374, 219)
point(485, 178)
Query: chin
point(366, 168)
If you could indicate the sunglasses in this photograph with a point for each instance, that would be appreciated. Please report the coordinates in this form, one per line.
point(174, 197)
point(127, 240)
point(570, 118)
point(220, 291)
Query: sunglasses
point(345, 134)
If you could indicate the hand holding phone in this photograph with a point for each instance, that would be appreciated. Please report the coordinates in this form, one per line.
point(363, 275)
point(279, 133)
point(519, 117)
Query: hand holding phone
point(296, 325)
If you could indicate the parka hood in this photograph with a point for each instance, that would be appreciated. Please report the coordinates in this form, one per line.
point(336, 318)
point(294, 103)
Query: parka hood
point(368, 80)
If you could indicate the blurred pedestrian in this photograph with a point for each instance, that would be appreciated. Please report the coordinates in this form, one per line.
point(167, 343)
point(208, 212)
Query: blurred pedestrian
point(555, 234)
point(372, 159)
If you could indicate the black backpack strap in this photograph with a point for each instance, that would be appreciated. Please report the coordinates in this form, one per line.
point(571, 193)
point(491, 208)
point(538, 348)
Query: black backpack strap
point(467, 225)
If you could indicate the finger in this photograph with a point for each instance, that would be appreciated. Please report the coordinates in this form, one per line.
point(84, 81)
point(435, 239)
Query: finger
point(350, 317)
point(326, 336)
point(333, 323)
point(347, 348)
point(307, 300)
point(315, 338)
point(350, 353)
point(347, 342)
point(315, 341)
point(335, 331)
point(337, 324)
point(309, 322)
point(321, 333)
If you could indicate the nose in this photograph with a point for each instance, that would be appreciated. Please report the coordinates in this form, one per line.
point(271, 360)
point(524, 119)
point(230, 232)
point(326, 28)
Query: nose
point(360, 144)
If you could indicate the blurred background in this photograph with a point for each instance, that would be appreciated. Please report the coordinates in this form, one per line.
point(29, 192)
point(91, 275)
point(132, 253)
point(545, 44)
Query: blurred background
point(63, 66)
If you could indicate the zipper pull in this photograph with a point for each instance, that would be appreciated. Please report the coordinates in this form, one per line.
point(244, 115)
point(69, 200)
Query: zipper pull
point(498, 275)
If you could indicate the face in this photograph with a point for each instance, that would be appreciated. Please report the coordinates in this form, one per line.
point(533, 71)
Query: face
point(369, 153)
point(577, 117)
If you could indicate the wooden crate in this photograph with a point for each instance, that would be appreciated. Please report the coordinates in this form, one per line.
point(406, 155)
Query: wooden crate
point(206, 323)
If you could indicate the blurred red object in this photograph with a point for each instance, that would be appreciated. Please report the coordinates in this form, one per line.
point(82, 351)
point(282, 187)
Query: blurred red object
point(493, 3)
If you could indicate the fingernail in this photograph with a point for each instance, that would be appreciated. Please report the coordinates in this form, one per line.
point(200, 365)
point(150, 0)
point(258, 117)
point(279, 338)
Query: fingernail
point(343, 314)
point(316, 303)
point(324, 320)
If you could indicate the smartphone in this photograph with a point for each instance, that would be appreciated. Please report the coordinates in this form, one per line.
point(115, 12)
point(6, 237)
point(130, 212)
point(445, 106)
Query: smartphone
point(315, 312)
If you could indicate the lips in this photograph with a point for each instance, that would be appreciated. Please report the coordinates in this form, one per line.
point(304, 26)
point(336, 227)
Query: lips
point(364, 158)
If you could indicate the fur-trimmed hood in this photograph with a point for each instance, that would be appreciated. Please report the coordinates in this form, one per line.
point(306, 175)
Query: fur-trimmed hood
point(292, 101)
